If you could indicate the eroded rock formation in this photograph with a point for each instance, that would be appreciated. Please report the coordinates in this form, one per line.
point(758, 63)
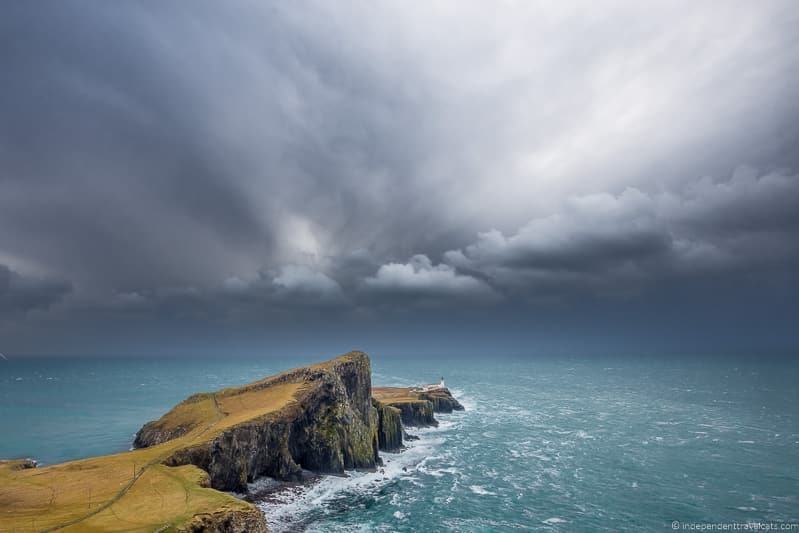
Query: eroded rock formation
point(390, 430)
point(417, 405)
point(324, 418)
point(329, 426)
point(239, 521)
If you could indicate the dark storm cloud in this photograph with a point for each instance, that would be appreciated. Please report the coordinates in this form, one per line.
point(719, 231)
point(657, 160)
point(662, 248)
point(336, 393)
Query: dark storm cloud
point(747, 223)
point(234, 162)
point(19, 294)
point(104, 170)
point(147, 146)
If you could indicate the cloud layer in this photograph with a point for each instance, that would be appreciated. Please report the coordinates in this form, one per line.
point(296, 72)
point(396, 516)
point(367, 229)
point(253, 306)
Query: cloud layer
point(230, 164)
point(747, 223)
point(20, 295)
point(420, 280)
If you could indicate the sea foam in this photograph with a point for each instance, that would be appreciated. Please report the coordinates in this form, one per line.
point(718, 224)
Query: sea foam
point(287, 508)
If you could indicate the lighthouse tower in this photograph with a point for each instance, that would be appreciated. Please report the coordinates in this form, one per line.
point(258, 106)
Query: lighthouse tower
point(441, 383)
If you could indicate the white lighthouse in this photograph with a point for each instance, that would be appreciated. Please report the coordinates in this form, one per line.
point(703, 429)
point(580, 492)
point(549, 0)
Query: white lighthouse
point(432, 387)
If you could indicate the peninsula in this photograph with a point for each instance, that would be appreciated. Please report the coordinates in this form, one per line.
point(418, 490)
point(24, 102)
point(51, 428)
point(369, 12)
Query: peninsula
point(324, 418)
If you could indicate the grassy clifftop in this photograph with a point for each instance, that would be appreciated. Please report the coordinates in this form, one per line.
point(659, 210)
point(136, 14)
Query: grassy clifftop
point(220, 440)
point(395, 394)
point(130, 491)
point(416, 406)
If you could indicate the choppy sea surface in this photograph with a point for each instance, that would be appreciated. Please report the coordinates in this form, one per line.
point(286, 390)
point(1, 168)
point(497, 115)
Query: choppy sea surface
point(545, 443)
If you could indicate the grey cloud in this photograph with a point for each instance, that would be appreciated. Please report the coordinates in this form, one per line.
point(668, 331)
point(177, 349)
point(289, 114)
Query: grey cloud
point(746, 222)
point(301, 282)
point(229, 161)
point(589, 233)
point(180, 150)
point(292, 289)
point(747, 202)
point(421, 280)
point(20, 294)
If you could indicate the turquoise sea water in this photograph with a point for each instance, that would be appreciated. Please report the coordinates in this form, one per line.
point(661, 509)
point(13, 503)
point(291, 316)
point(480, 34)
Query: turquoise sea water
point(550, 444)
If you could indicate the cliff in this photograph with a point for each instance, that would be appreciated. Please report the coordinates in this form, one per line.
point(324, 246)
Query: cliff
point(414, 412)
point(417, 405)
point(129, 491)
point(319, 418)
point(389, 429)
point(324, 418)
point(328, 426)
point(442, 400)
point(245, 521)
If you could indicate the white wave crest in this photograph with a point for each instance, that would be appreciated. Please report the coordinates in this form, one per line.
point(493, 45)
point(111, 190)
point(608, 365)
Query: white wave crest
point(479, 489)
point(286, 508)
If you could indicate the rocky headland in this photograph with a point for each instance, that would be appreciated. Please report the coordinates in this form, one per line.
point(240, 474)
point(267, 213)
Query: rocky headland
point(324, 419)
point(416, 405)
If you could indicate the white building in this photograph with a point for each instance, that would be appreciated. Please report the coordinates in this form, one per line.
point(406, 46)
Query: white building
point(436, 386)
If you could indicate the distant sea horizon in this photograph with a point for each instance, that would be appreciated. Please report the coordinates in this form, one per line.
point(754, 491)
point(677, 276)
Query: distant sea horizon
point(546, 442)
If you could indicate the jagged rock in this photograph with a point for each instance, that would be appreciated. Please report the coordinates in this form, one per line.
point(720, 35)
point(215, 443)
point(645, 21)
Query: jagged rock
point(417, 405)
point(442, 400)
point(417, 413)
point(19, 464)
point(390, 430)
point(331, 425)
point(322, 418)
point(238, 521)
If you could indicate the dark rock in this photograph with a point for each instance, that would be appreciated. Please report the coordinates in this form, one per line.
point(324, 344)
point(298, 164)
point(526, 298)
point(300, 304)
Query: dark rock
point(230, 521)
point(19, 464)
point(330, 427)
point(418, 413)
point(442, 400)
point(389, 432)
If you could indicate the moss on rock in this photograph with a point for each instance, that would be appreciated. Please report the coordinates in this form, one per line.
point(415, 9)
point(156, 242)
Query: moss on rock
point(389, 427)
point(329, 426)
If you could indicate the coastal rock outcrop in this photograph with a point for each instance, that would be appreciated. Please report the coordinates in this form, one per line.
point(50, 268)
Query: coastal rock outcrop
point(324, 418)
point(442, 400)
point(329, 425)
point(417, 405)
point(239, 521)
point(416, 413)
point(390, 430)
point(18, 464)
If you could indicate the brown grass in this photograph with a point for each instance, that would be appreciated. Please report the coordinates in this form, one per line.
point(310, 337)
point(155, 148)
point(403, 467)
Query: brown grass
point(133, 491)
point(394, 394)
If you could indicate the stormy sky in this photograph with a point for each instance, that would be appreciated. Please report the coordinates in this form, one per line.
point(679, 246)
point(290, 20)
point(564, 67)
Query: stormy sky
point(298, 177)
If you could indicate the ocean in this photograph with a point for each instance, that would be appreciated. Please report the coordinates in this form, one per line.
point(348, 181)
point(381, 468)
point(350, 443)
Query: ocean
point(545, 443)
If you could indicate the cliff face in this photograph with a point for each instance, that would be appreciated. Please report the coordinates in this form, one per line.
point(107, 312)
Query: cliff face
point(442, 400)
point(389, 432)
point(417, 406)
point(325, 418)
point(249, 521)
point(418, 413)
point(330, 425)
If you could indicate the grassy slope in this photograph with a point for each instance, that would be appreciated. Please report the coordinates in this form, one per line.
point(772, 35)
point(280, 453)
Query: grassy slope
point(393, 395)
point(133, 491)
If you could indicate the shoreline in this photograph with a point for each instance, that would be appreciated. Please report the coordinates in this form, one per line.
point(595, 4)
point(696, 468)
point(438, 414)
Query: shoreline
point(293, 506)
point(297, 427)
